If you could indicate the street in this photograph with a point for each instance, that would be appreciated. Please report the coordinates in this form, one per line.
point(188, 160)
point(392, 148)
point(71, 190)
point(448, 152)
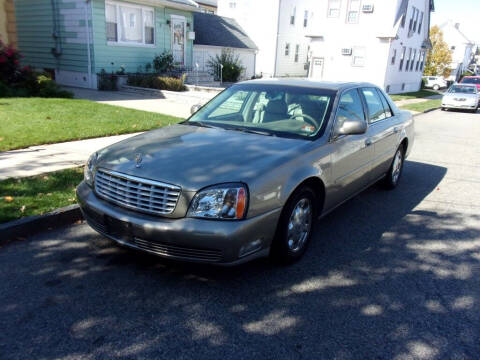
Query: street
point(388, 275)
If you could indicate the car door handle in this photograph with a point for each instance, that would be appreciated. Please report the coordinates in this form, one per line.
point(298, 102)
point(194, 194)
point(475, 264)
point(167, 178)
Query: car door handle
point(368, 142)
point(397, 129)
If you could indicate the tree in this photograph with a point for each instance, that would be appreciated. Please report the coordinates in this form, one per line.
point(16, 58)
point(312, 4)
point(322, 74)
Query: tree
point(439, 57)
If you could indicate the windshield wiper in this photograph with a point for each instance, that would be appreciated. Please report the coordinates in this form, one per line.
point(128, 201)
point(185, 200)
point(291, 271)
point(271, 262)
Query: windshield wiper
point(199, 123)
point(250, 131)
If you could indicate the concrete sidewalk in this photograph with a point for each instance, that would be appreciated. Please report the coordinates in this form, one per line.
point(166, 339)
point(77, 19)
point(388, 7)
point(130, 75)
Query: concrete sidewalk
point(170, 104)
point(45, 158)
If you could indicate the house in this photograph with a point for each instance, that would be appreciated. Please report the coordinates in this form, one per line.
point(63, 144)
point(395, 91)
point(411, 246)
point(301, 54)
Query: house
point(279, 29)
point(462, 48)
point(8, 29)
point(214, 34)
point(207, 6)
point(76, 39)
point(380, 41)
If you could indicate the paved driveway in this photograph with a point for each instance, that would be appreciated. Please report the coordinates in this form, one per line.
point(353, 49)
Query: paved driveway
point(388, 275)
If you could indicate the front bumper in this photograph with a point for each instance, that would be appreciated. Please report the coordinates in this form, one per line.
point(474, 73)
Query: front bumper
point(460, 105)
point(187, 239)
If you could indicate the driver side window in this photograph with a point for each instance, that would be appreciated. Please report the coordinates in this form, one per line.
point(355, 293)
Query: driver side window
point(350, 107)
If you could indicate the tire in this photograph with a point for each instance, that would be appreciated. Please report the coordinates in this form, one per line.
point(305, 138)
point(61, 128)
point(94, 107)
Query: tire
point(436, 87)
point(443, 109)
point(394, 174)
point(295, 227)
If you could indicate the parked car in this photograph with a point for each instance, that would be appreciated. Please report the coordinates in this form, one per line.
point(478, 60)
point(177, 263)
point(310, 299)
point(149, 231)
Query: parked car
point(475, 80)
point(461, 96)
point(435, 82)
point(248, 174)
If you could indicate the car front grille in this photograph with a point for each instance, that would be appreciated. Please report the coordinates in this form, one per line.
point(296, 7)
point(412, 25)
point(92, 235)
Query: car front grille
point(176, 251)
point(135, 193)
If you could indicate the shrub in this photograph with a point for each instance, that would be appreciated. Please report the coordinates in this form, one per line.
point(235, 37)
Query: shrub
point(10, 71)
point(157, 82)
point(107, 82)
point(232, 66)
point(163, 63)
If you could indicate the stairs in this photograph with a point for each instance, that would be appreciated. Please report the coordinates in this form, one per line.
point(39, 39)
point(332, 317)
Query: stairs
point(200, 78)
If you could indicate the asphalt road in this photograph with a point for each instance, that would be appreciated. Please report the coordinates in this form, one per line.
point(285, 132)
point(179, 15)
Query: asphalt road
point(389, 275)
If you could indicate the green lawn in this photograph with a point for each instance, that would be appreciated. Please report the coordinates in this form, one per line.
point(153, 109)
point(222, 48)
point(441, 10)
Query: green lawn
point(34, 121)
point(413, 95)
point(38, 194)
point(423, 106)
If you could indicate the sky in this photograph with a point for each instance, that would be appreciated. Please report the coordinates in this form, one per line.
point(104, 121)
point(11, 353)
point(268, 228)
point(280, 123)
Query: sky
point(465, 12)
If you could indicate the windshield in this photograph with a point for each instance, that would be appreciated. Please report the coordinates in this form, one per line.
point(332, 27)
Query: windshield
point(458, 89)
point(471, 80)
point(268, 110)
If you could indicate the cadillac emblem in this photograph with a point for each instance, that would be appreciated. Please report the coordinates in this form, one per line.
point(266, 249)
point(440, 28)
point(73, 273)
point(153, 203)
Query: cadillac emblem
point(138, 160)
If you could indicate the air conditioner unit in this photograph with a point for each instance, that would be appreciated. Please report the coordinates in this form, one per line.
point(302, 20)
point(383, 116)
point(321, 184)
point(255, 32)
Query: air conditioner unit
point(347, 51)
point(367, 8)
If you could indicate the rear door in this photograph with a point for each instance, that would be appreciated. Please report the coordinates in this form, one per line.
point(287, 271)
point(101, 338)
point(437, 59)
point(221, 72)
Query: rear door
point(351, 154)
point(385, 129)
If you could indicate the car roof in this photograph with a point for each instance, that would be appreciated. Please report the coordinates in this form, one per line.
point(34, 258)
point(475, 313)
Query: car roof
point(310, 83)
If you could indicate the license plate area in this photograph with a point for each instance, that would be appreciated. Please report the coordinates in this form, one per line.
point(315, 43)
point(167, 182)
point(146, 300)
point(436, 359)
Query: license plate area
point(118, 229)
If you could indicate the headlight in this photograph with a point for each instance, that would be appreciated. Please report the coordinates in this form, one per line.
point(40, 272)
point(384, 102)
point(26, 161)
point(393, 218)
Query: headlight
point(89, 167)
point(225, 201)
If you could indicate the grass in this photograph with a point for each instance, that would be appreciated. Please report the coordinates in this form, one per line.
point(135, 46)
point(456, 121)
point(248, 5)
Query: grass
point(423, 106)
point(38, 194)
point(34, 121)
point(413, 95)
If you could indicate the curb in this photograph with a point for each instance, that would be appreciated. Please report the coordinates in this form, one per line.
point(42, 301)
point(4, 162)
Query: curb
point(426, 111)
point(33, 224)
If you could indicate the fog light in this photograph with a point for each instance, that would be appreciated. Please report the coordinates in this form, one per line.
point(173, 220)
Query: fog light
point(250, 248)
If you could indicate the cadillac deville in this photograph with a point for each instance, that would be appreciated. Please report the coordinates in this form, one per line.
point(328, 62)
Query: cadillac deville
point(249, 173)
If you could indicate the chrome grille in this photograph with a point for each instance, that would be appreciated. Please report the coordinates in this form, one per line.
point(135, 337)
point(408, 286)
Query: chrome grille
point(169, 250)
point(135, 193)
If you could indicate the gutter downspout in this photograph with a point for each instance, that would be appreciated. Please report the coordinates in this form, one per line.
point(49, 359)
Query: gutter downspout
point(87, 33)
point(276, 41)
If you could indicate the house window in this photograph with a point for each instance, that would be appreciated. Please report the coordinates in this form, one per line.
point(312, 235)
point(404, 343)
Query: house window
point(402, 24)
point(287, 49)
point(232, 5)
point(408, 59)
point(334, 8)
point(421, 22)
point(402, 58)
point(297, 51)
point(305, 19)
point(353, 11)
point(292, 16)
point(129, 24)
point(415, 21)
point(412, 59)
point(422, 61)
point(394, 56)
point(418, 60)
point(412, 18)
point(358, 56)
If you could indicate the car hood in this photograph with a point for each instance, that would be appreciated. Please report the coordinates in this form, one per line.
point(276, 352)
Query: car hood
point(460, 95)
point(194, 157)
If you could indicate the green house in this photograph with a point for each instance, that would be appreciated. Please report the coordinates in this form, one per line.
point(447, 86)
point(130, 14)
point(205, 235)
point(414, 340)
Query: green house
point(75, 39)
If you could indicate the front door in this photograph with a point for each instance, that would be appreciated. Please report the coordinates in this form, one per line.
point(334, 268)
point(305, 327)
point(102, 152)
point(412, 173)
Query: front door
point(317, 68)
point(178, 40)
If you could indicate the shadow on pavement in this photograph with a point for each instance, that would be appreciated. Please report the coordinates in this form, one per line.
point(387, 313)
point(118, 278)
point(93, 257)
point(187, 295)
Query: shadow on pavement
point(383, 278)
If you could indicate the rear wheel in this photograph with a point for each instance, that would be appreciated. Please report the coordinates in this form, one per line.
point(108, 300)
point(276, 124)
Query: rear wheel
point(394, 173)
point(436, 87)
point(295, 227)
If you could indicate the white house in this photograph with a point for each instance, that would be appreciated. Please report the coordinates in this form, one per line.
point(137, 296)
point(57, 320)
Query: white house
point(214, 34)
point(279, 29)
point(379, 41)
point(462, 48)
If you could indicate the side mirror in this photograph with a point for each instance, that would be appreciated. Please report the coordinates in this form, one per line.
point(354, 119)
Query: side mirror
point(195, 108)
point(352, 127)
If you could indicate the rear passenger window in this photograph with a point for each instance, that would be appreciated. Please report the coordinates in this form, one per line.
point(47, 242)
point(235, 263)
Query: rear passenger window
point(374, 105)
point(350, 107)
point(386, 106)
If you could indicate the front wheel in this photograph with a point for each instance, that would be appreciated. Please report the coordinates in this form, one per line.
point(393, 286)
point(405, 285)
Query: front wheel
point(295, 227)
point(394, 173)
point(436, 87)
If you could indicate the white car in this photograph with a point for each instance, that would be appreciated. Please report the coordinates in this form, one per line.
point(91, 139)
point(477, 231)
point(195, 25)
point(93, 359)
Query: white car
point(461, 96)
point(435, 82)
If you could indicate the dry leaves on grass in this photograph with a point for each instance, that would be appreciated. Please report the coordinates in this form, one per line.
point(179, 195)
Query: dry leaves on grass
point(9, 198)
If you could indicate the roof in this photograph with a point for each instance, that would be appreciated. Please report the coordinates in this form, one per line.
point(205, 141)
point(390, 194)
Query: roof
point(216, 30)
point(208, 2)
point(184, 2)
point(305, 82)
